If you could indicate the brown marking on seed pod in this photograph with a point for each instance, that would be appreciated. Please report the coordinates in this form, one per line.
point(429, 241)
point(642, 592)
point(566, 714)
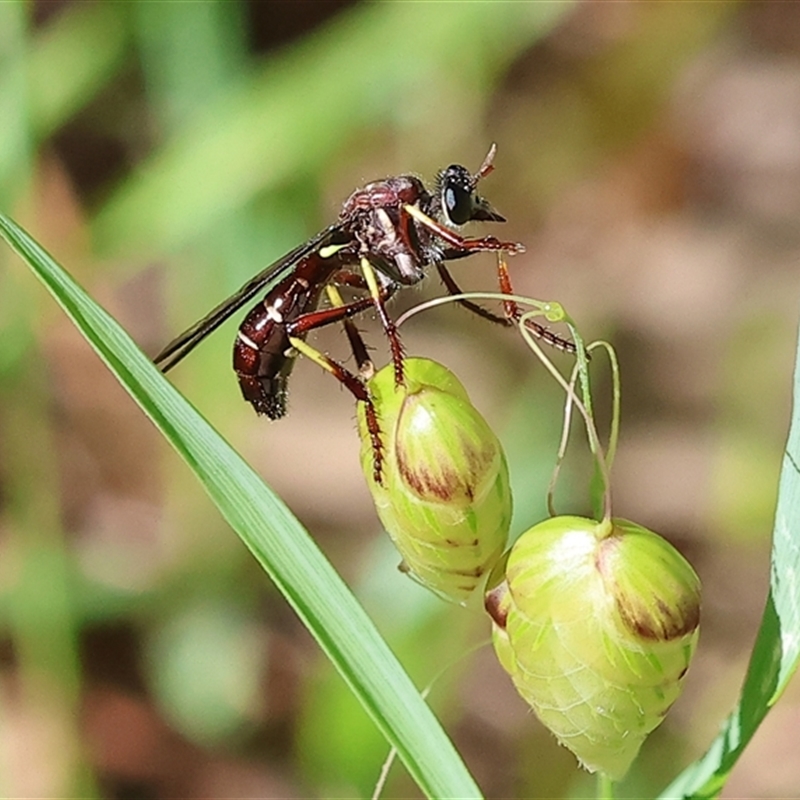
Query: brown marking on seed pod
point(475, 572)
point(645, 614)
point(446, 484)
point(658, 620)
point(494, 605)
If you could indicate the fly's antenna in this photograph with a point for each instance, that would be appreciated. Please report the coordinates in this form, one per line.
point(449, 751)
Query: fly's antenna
point(488, 164)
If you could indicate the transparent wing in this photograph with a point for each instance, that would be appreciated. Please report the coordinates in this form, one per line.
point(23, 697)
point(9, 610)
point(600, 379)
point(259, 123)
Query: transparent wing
point(182, 345)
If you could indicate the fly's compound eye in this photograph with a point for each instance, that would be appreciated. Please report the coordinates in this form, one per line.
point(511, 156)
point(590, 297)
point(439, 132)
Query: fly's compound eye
point(457, 194)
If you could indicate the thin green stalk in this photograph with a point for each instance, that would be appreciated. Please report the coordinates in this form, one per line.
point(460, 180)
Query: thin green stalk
point(605, 787)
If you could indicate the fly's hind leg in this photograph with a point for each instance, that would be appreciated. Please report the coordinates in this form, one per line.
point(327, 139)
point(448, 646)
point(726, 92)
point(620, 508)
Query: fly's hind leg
point(355, 384)
point(358, 388)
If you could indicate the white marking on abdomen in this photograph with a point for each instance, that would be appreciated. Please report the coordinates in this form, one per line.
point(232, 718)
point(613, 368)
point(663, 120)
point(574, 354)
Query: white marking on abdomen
point(246, 340)
point(274, 314)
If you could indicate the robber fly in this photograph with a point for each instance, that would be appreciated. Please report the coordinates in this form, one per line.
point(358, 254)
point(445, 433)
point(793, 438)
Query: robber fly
point(393, 229)
point(399, 227)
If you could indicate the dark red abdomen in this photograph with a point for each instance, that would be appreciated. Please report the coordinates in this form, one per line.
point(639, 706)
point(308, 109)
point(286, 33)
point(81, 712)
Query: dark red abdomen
point(262, 356)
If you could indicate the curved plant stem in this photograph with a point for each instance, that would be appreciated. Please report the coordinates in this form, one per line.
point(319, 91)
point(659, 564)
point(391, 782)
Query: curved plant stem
point(554, 312)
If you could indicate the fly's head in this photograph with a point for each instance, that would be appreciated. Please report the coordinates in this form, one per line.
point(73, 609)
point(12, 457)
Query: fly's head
point(455, 199)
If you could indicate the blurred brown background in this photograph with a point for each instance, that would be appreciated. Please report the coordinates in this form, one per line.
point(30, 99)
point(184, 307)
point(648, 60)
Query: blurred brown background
point(649, 157)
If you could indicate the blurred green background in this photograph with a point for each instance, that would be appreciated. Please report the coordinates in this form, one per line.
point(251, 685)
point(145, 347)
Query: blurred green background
point(649, 157)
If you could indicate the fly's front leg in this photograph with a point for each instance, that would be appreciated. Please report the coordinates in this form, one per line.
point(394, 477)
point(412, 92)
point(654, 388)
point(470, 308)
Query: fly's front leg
point(512, 310)
point(454, 289)
point(460, 243)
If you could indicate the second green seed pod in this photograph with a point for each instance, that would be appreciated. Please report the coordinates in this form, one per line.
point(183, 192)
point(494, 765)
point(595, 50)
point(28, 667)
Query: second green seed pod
point(596, 623)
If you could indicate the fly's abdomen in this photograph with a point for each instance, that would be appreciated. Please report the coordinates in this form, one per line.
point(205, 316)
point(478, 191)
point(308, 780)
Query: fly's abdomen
point(261, 362)
point(262, 355)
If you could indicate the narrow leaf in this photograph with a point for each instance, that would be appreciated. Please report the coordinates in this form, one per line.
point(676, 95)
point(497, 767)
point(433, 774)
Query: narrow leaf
point(777, 649)
point(274, 536)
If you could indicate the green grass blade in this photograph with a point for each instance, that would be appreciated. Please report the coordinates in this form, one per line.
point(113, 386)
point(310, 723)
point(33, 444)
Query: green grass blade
point(273, 535)
point(777, 649)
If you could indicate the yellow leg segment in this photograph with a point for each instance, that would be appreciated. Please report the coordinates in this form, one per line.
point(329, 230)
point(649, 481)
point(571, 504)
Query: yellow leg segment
point(334, 295)
point(420, 216)
point(369, 277)
point(312, 353)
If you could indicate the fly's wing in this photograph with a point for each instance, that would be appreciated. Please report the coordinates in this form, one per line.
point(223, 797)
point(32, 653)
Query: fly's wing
point(268, 277)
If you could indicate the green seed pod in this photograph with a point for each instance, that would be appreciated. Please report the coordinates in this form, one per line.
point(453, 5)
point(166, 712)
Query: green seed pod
point(596, 624)
point(444, 494)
